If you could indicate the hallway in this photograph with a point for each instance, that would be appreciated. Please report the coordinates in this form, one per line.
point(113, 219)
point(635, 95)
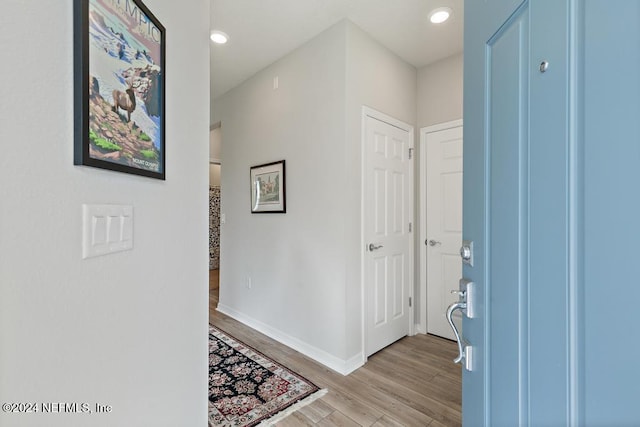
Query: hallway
point(410, 383)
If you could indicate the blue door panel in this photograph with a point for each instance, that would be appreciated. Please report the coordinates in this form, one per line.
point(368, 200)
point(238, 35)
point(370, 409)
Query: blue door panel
point(611, 287)
point(552, 202)
point(552, 198)
point(517, 187)
point(507, 122)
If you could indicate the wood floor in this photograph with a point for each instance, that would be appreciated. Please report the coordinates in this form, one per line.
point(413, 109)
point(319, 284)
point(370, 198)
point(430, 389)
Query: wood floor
point(413, 382)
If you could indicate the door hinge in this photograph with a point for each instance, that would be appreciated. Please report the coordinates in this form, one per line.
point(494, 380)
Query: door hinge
point(410, 227)
point(409, 301)
point(410, 153)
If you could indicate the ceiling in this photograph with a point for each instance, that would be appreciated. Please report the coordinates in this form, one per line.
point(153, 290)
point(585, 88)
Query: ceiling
point(263, 31)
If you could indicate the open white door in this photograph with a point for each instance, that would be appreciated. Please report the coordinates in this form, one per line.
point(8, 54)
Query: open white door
point(441, 222)
point(387, 236)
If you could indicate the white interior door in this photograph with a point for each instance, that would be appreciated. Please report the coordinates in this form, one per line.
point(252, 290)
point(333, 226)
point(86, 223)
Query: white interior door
point(387, 214)
point(442, 149)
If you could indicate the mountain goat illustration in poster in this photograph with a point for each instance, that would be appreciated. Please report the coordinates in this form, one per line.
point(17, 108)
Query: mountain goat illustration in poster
point(119, 87)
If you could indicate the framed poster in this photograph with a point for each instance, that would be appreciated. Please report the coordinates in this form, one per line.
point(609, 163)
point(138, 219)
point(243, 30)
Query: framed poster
point(268, 189)
point(119, 66)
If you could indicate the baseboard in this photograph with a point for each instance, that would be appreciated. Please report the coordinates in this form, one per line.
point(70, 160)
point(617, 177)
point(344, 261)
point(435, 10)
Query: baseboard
point(344, 367)
point(353, 363)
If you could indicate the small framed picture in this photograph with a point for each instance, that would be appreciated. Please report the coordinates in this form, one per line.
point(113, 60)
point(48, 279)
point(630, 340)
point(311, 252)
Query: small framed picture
point(268, 193)
point(119, 87)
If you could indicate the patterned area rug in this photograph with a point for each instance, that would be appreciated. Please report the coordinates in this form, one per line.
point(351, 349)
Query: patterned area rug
point(246, 388)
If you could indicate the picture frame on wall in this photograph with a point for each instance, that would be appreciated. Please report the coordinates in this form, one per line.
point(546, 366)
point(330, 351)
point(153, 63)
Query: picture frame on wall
point(119, 74)
point(268, 188)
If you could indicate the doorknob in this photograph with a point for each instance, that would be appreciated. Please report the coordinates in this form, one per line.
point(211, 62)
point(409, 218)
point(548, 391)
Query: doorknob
point(373, 247)
point(432, 242)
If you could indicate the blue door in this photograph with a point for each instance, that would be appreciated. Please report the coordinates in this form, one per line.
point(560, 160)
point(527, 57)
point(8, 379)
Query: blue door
point(609, 161)
point(551, 159)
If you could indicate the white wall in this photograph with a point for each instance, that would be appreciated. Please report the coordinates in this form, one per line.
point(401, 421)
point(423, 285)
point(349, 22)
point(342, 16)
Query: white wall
point(305, 264)
point(295, 260)
point(129, 329)
point(440, 91)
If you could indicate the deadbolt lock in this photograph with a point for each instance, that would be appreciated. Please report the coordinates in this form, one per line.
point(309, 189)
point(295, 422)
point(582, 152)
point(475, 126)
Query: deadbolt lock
point(466, 252)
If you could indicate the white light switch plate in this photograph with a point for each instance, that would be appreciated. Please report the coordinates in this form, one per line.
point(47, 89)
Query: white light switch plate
point(106, 229)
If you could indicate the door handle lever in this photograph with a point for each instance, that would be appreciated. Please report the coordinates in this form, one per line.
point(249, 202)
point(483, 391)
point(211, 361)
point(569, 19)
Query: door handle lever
point(373, 247)
point(460, 305)
point(466, 305)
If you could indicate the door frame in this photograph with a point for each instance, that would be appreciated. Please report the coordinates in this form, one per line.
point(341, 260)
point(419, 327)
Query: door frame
point(370, 112)
point(422, 214)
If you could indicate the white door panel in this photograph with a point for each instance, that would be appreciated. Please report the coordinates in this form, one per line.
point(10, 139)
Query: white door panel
point(387, 213)
point(443, 224)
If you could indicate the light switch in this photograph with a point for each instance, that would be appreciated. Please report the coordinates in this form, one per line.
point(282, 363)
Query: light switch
point(98, 230)
point(106, 229)
point(114, 228)
point(127, 228)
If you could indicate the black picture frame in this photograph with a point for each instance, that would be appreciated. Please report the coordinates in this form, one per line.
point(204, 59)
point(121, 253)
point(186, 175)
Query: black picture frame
point(119, 87)
point(268, 188)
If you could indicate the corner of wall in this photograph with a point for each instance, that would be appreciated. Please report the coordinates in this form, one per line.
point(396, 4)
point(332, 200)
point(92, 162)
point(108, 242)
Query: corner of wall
point(376, 78)
point(341, 366)
point(440, 91)
point(295, 261)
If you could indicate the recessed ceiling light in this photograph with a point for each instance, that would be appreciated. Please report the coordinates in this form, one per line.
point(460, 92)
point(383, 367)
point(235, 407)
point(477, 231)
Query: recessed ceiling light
point(219, 37)
point(439, 15)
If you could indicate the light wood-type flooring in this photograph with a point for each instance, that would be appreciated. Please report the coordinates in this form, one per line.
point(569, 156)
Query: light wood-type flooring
point(413, 382)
